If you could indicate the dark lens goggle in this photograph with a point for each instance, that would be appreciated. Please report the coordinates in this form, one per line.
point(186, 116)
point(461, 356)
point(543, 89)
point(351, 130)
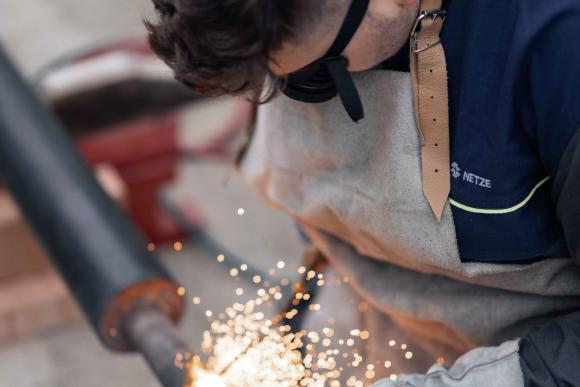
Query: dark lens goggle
point(328, 77)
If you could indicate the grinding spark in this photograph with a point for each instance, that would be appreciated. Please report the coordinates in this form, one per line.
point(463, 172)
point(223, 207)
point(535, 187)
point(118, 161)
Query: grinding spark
point(247, 349)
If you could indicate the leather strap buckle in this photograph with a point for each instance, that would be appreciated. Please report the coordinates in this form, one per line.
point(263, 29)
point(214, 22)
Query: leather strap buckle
point(433, 15)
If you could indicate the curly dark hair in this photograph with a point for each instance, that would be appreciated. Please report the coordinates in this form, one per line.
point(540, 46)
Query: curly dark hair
point(218, 47)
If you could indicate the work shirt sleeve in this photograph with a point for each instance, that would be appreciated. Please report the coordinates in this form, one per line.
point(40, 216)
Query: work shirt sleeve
point(550, 109)
point(550, 354)
point(566, 193)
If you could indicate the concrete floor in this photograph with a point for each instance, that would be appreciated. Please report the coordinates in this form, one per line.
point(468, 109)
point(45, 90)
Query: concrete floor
point(35, 32)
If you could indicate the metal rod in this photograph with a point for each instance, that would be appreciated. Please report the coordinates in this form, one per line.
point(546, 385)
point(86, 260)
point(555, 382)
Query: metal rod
point(99, 253)
point(153, 334)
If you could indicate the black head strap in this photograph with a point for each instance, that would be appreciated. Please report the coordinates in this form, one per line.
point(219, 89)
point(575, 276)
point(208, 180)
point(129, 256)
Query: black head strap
point(352, 21)
point(323, 79)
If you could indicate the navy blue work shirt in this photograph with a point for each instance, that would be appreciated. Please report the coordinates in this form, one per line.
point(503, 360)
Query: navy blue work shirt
point(514, 93)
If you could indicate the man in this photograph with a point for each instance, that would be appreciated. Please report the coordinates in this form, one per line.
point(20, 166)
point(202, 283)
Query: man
point(493, 263)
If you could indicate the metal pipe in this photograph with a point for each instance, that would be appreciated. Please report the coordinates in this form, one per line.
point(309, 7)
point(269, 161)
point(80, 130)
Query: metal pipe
point(99, 253)
point(154, 335)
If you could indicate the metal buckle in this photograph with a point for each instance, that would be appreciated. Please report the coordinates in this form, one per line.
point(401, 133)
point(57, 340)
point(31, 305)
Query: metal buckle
point(434, 15)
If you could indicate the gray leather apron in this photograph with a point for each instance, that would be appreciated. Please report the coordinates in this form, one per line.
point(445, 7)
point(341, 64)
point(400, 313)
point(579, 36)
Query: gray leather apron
point(357, 191)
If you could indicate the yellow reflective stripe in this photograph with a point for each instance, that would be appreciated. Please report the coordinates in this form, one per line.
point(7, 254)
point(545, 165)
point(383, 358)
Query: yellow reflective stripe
point(500, 211)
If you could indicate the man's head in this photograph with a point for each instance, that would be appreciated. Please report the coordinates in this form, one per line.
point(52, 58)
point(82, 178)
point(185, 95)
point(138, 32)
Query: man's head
point(232, 46)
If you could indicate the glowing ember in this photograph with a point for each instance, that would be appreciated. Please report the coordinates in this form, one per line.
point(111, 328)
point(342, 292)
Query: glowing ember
point(205, 378)
point(246, 348)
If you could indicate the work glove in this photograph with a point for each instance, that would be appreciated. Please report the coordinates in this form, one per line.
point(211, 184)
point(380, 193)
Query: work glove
point(481, 367)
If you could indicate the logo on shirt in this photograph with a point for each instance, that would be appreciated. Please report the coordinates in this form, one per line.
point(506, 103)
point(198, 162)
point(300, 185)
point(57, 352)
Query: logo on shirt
point(455, 170)
point(469, 177)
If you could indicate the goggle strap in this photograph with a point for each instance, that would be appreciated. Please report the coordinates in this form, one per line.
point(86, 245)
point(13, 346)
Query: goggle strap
point(352, 22)
point(346, 88)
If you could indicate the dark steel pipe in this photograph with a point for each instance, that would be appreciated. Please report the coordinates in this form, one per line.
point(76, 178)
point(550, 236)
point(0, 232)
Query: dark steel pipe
point(154, 335)
point(98, 252)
